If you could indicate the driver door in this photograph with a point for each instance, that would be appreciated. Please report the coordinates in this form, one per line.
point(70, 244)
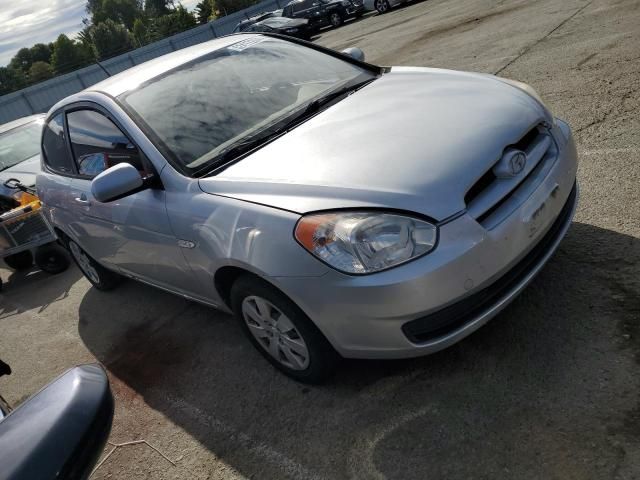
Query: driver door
point(131, 234)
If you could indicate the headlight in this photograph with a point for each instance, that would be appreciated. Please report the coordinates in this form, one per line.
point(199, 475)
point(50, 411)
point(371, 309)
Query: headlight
point(524, 87)
point(360, 242)
point(291, 30)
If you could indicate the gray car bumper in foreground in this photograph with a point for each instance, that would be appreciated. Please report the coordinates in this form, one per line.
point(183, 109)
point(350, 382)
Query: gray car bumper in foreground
point(435, 301)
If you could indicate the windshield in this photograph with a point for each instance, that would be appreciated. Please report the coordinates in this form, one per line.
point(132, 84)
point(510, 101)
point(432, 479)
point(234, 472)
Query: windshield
point(202, 108)
point(20, 144)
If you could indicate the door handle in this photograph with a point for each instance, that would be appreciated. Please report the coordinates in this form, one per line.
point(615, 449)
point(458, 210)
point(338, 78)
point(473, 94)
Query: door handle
point(83, 200)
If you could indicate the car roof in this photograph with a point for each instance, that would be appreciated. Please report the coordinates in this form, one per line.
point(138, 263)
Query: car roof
point(131, 78)
point(19, 122)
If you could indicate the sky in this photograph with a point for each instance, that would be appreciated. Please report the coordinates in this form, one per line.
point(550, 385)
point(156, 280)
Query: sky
point(24, 23)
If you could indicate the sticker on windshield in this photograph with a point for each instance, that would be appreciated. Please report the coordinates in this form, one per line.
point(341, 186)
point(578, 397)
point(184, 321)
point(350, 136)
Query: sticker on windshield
point(244, 44)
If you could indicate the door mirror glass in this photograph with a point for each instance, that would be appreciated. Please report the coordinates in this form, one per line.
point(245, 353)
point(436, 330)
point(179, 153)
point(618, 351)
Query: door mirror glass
point(354, 52)
point(116, 182)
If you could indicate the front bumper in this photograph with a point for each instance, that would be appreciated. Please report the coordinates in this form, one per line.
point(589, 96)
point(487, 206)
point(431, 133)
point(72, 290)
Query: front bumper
point(429, 304)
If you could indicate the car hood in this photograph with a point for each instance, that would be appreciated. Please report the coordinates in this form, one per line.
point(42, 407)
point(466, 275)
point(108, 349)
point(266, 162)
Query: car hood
point(415, 139)
point(24, 171)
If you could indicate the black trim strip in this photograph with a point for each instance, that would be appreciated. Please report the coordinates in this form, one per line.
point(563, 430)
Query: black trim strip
point(455, 316)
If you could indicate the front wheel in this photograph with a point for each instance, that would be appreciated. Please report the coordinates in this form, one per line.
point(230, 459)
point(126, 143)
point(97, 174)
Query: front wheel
point(382, 6)
point(282, 333)
point(98, 276)
point(335, 19)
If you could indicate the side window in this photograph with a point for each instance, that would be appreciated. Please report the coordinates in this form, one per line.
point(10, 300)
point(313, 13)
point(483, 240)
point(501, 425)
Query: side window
point(300, 6)
point(54, 146)
point(98, 144)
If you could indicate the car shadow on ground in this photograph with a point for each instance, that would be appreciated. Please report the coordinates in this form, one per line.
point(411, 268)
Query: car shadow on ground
point(33, 288)
point(517, 399)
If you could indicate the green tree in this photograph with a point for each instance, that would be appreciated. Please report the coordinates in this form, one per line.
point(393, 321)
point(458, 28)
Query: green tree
point(204, 11)
point(69, 55)
point(157, 8)
point(120, 11)
point(109, 39)
point(40, 53)
point(226, 7)
point(40, 71)
point(21, 60)
point(11, 80)
point(140, 32)
point(175, 22)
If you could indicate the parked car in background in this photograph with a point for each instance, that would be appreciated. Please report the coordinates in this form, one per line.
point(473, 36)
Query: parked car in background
point(20, 151)
point(293, 27)
point(244, 25)
point(25, 235)
point(322, 13)
point(278, 196)
point(382, 6)
point(60, 432)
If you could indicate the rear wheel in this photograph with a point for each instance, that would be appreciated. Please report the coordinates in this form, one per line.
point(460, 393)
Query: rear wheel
point(382, 6)
point(19, 261)
point(52, 259)
point(335, 19)
point(100, 277)
point(282, 333)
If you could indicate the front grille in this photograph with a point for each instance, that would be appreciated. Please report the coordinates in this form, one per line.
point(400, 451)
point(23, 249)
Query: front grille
point(491, 199)
point(455, 316)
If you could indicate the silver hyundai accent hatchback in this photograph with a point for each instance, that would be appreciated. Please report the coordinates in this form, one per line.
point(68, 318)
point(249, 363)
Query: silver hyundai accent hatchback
point(337, 208)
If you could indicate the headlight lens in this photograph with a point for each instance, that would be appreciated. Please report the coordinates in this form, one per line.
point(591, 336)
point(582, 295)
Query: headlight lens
point(361, 242)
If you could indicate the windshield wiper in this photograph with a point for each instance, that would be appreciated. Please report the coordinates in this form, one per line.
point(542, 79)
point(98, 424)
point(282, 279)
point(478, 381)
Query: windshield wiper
point(315, 105)
point(250, 143)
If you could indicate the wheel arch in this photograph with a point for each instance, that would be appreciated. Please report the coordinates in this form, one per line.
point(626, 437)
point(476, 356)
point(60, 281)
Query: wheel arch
point(225, 277)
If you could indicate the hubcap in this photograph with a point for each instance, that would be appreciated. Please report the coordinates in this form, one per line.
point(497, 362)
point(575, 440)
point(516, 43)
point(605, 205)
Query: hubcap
point(84, 263)
point(275, 332)
point(335, 19)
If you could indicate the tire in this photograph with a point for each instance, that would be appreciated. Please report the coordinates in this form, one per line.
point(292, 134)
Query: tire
point(19, 261)
point(301, 352)
point(335, 19)
point(51, 258)
point(382, 6)
point(98, 276)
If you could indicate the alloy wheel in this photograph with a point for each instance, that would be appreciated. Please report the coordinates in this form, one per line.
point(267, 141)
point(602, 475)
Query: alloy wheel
point(382, 6)
point(275, 332)
point(335, 19)
point(84, 262)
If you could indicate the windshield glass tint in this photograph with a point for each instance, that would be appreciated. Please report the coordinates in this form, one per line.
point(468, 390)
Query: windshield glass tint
point(206, 106)
point(20, 144)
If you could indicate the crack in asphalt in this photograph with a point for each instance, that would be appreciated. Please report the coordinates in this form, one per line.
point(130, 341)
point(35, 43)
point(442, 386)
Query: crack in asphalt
point(528, 48)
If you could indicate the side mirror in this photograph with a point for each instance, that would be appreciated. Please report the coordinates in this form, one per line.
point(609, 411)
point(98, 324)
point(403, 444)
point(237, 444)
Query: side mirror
point(116, 182)
point(354, 52)
point(61, 431)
